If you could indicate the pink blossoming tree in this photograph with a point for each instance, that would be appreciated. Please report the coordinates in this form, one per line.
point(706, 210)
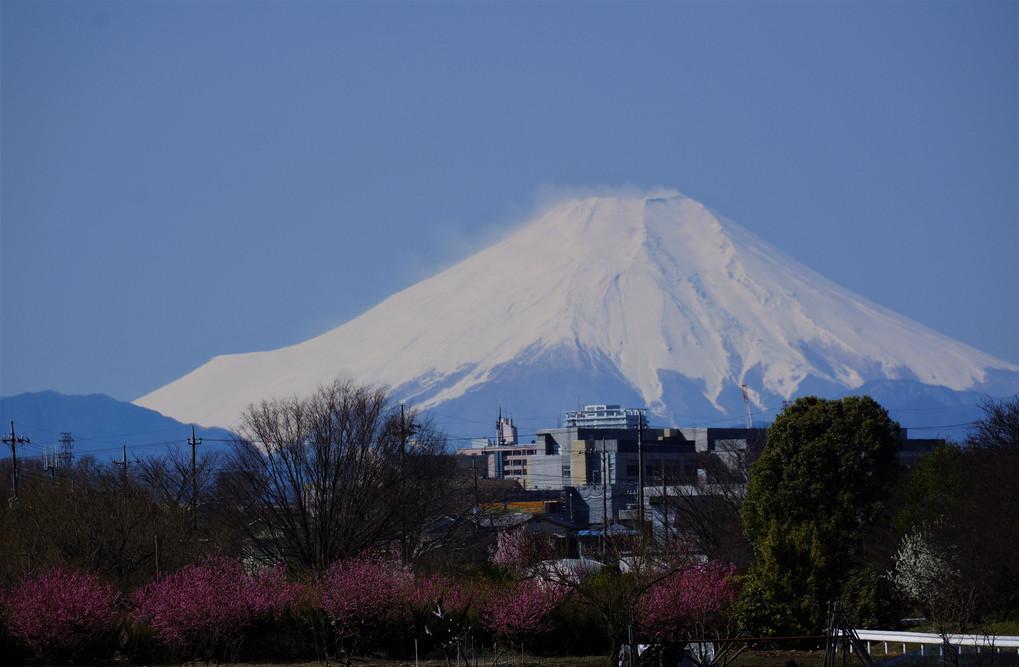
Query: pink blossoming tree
point(690, 602)
point(364, 598)
point(203, 608)
point(523, 611)
point(445, 611)
point(697, 602)
point(60, 612)
point(515, 549)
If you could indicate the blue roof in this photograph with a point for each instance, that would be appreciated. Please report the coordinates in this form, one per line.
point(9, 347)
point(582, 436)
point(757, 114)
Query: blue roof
point(614, 529)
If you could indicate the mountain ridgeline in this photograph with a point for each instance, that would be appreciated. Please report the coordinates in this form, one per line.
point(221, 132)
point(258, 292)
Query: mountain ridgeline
point(645, 301)
point(98, 426)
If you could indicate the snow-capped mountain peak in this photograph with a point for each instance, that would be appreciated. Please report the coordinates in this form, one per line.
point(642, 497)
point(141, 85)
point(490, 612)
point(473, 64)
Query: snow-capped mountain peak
point(653, 296)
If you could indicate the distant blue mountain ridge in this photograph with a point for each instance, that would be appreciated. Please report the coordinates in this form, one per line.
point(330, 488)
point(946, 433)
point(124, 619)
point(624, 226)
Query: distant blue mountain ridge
point(100, 426)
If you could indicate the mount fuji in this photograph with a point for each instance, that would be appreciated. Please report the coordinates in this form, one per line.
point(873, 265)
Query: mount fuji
point(645, 300)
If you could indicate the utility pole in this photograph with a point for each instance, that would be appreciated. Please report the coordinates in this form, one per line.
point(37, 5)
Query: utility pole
point(194, 442)
point(124, 463)
point(603, 468)
point(405, 429)
point(477, 496)
point(640, 471)
point(14, 441)
point(665, 504)
point(403, 439)
point(604, 499)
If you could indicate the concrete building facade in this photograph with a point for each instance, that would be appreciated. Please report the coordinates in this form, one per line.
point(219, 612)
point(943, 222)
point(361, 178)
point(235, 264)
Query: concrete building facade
point(593, 463)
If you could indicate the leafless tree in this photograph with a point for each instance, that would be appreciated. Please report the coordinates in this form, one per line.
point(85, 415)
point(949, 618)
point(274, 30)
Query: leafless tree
point(177, 481)
point(962, 492)
point(704, 507)
point(998, 429)
point(95, 517)
point(988, 481)
point(319, 478)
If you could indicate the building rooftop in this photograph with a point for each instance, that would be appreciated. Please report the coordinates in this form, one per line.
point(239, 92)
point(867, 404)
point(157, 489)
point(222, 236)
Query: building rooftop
point(603, 416)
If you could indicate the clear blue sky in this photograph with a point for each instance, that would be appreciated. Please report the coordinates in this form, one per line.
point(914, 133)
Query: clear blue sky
point(187, 179)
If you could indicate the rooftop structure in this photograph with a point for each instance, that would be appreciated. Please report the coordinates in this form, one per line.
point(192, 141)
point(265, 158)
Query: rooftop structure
point(603, 416)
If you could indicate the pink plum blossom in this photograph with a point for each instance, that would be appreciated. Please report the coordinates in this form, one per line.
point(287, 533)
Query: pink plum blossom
point(60, 609)
point(689, 599)
point(205, 606)
point(363, 596)
point(523, 610)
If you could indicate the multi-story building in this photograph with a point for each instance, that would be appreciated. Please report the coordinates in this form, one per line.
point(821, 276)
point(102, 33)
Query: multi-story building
point(597, 468)
point(593, 462)
point(502, 457)
point(604, 416)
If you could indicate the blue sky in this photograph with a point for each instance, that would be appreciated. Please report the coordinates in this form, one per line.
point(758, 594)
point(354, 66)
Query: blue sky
point(180, 180)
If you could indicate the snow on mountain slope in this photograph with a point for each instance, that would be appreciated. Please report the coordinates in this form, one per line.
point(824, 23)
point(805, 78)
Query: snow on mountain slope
point(653, 287)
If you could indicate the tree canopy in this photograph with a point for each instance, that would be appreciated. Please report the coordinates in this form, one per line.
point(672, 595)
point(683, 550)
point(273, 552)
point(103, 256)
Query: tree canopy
point(827, 468)
point(956, 497)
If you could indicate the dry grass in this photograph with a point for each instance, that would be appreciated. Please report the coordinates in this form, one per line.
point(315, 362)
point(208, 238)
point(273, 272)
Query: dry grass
point(747, 659)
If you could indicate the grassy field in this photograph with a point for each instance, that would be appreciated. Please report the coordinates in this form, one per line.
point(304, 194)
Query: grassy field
point(749, 658)
point(746, 659)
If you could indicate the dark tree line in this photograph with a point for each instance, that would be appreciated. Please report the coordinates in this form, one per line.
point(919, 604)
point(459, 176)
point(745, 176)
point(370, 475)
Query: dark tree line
point(122, 524)
point(960, 508)
point(831, 516)
point(820, 512)
point(311, 481)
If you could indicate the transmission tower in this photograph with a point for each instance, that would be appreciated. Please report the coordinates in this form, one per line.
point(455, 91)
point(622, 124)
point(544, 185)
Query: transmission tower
point(66, 453)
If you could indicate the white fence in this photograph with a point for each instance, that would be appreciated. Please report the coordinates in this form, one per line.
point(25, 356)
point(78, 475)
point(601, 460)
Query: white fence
point(981, 642)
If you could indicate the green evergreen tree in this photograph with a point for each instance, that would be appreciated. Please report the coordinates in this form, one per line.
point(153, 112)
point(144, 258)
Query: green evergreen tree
point(932, 488)
point(826, 471)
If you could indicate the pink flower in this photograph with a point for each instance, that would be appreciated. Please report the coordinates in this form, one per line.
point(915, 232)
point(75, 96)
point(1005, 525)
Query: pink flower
point(440, 591)
point(514, 548)
point(207, 604)
point(60, 609)
point(364, 591)
point(688, 599)
point(522, 611)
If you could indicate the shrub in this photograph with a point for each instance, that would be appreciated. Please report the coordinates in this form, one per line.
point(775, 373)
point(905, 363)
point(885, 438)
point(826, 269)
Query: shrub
point(444, 611)
point(60, 612)
point(364, 598)
point(203, 608)
point(689, 601)
point(524, 610)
